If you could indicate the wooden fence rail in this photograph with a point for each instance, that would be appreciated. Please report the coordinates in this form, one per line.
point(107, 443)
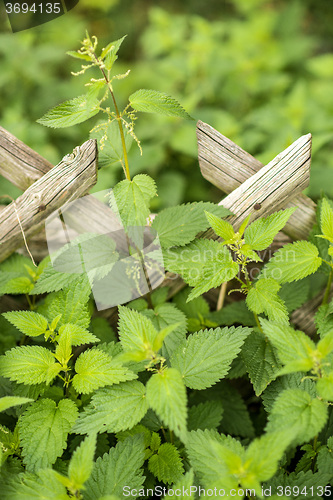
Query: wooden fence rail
point(251, 187)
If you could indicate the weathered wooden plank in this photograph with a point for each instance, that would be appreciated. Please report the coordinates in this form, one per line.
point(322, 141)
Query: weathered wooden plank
point(272, 186)
point(227, 166)
point(21, 165)
point(70, 179)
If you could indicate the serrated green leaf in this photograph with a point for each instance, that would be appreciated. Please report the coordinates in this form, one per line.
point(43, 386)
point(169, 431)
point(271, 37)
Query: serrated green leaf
point(166, 395)
point(14, 283)
point(325, 387)
point(183, 486)
point(206, 356)
point(293, 262)
point(295, 294)
point(260, 234)
point(82, 462)
point(152, 101)
point(294, 348)
point(221, 227)
point(52, 280)
point(326, 219)
point(29, 365)
point(163, 316)
point(10, 401)
point(177, 226)
point(95, 369)
point(70, 112)
point(120, 407)
point(28, 322)
point(261, 361)
point(109, 53)
point(203, 264)
point(236, 312)
point(296, 411)
point(42, 444)
point(136, 331)
point(290, 381)
point(71, 303)
point(166, 464)
point(263, 298)
point(44, 485)
point(210, 468)
point(325, 345)
point(77, 55)
point(110, 149)
point(302, 482)
point(77, 334)
point(206, 415)
point(118, 471)
point(130, 199)
point(236, 418)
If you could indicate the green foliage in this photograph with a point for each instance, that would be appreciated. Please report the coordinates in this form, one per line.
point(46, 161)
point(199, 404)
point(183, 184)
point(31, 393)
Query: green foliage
point(173, 387)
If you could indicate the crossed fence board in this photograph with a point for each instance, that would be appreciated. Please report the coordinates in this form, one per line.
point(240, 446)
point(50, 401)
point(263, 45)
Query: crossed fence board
point(247, 182)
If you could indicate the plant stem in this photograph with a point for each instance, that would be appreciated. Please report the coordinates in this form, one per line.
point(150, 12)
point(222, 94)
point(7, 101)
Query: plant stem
point(220, 300)
point(120, 125)
point(328, 289)
point(257, 321)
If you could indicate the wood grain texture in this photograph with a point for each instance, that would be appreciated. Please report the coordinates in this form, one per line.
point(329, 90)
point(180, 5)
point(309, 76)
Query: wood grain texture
point(21, 165)
point(227, 166)
point(70, 179)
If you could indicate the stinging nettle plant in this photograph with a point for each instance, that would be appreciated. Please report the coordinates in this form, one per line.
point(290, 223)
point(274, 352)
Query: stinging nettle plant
point(176, 395)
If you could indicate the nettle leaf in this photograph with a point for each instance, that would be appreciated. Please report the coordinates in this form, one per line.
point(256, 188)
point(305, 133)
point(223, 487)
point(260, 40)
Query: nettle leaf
point(152, 101)
point(206, 415)
point(221, 227)
point(52, 280)
point(14, 283)
point(206, 356)
point(209, 467)
point(295, 294)
point(109, 53)
point(136, 331)
point(203, 264)
point(166, 395)
point(165, 315)
point(71, 303)
point(290, 381)
point(82, 462)
point(260, 234)
point(77, 334)
point(118, 470)
point(294, 348)
point(130, 199)
point(113, 409)
point(293, 262)
point(325, 387)
point(29, 365)
point(177, 226)
point(95, 369)
point(184, 485)
point(326, 220)
point(70, 112)
point(261, 361)
point(236, 418)
point(166, 464)
point(45, 484)
point(263, 298)
point(10, 401)
point(28, 322)
point(110, 151)
point(296, 411)
point(43, 444)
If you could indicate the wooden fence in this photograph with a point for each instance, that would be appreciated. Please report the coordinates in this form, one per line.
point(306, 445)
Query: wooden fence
point(250, 186)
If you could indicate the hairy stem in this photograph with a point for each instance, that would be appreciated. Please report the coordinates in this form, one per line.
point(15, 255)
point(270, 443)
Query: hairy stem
point(328, 289)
